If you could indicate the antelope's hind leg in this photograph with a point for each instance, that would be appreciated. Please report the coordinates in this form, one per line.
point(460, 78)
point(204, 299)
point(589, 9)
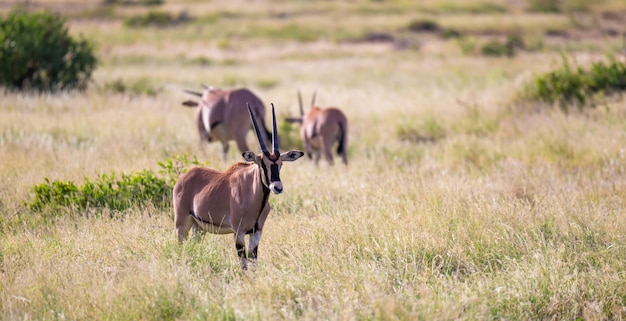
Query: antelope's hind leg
point(184, 222)
point(326, 148)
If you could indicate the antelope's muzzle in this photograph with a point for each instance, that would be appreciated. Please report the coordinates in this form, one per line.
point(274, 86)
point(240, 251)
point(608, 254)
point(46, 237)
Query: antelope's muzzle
point(276, 187)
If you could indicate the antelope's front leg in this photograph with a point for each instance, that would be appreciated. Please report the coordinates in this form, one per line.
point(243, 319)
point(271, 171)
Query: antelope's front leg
point(240, 245)
point(255, 234)
point(253, 245)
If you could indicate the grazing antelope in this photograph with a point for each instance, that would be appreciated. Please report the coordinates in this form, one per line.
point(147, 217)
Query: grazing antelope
point(233, 201)
point(221, 116)
point(320, 129)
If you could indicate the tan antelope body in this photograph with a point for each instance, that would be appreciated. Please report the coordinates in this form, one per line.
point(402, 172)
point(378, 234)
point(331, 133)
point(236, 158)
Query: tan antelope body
point(320, 129)
point(222, 116)
point(233, 201)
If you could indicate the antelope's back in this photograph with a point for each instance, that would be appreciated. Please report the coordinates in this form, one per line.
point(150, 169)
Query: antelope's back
point(194, 181)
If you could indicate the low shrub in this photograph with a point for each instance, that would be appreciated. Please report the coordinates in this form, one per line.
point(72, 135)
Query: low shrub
point(156, 19)
point(107, 191)
point(507, 47)
point(466, 7)
point(449, 33)
point(112, 191)
point(289, 135)
point(569, 84)
point(429, 131)
point(134, 2)
point(140, 87)
point(497, 48)
point(544, 6)
point(424, 26)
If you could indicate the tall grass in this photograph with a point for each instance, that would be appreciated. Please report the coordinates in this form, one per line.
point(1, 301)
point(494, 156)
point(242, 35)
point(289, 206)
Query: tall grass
point(506, 213)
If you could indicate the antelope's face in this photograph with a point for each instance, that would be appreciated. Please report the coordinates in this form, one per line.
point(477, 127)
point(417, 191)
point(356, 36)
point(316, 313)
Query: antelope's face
point(270, 165)
point(270, 162)
point(314, 112)
point(212, 95)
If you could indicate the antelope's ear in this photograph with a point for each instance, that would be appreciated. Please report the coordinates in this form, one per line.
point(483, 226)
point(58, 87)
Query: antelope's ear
point(249, 156)
point(291, 155)
point(190, 103)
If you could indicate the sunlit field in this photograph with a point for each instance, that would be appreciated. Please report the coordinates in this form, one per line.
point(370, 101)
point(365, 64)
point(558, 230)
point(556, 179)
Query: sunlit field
point(462, 200)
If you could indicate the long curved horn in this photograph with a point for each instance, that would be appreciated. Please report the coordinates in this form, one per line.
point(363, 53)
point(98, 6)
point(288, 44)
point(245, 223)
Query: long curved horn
point(275, 133)
point(195, 93)
point(256, 130)
point(313, 99)
point(300, 101)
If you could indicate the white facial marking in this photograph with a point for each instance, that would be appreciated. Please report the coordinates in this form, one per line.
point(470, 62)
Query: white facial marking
point(276, 187)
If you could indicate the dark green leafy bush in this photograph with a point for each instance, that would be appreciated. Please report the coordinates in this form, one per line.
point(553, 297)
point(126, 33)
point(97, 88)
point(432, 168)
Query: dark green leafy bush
point(134, 2)
point(108, 191)
point(140, 87)
point(507, 47)
point(545, 6)
point(156, 19)
point(451, 34)
point(497, 48)
point(289, 135)
point(36, 52)
point(578, 85)
point(112, 191)
point(424, 26)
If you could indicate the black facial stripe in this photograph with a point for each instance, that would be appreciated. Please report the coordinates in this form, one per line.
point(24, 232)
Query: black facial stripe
point(275, 173)
point(264, 169)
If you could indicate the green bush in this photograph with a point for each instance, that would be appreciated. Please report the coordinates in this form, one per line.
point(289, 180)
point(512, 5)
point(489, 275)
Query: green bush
point(289, 135)
point(424, 26)
point(578, 85)
point(155, 19)
point(507, 48)
point(545, 6)
point(134, 2)
point(468, 44)
point(448, 33)
point(112, 191)
point(497, 48)
point(107, 191)
point(36, 52)
point(140, 87)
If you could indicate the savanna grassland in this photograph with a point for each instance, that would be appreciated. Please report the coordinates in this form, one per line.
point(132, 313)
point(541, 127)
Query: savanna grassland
point(463, 199)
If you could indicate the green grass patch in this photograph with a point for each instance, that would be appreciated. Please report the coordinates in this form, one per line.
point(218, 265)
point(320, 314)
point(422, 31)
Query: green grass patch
point(430, 130)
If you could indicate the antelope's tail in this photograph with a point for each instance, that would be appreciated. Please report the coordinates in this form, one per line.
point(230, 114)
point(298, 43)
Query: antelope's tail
point(343, 140)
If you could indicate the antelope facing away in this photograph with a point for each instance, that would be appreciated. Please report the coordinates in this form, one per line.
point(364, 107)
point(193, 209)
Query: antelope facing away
point(221, 116)
point(233, 201)
point(320, 129)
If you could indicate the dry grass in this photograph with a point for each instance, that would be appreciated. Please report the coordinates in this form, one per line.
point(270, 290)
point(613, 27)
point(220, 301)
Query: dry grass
point(510, 211)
